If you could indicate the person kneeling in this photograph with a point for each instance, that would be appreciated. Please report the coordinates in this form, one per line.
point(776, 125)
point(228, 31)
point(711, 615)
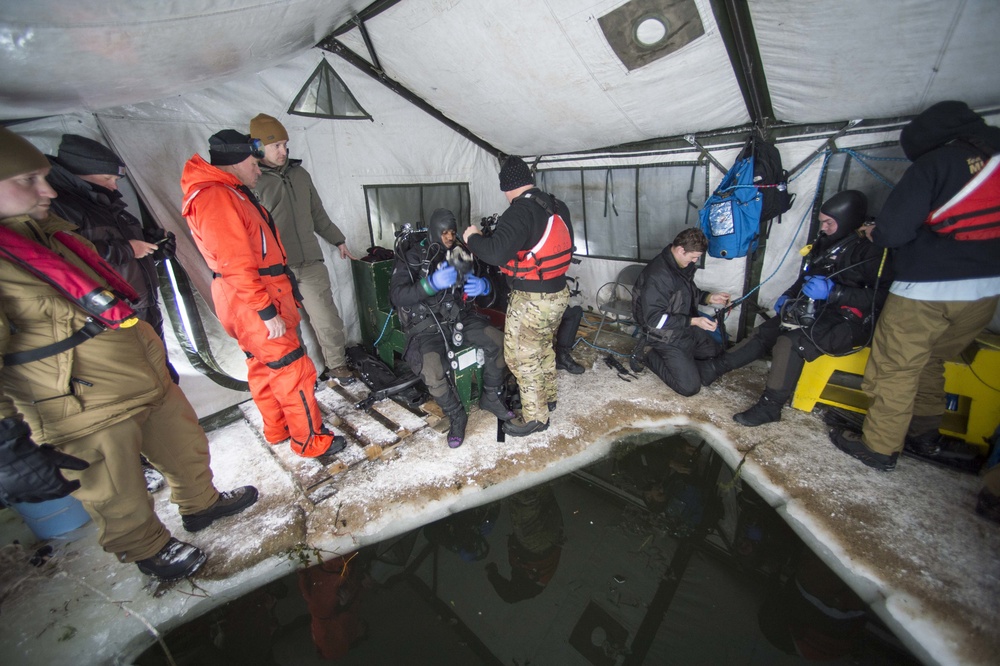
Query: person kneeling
point(436, 313)
point(666, 305)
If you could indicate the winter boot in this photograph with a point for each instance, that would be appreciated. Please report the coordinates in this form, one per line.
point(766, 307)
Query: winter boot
point(175, 561)
point(518, 427)
point(490, 401)
point(712, 368)
point(230, 503)
point(564, 361)
point(766, 410)
point(456, 429)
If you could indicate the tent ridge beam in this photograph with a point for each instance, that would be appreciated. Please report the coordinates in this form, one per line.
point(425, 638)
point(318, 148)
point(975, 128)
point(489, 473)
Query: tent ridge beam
point(333, 45)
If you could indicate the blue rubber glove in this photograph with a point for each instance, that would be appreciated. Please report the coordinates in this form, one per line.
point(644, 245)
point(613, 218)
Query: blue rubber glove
point(780, 302)
point(817, 287)
point(444, 277)
point(476, 286)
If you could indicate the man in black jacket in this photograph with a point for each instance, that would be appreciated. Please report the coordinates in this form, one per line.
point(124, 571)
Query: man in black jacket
point(85, 174)
point(533, 246)
point(945, 290)
point(830, 309)
point(433, 306)
point(666, 305)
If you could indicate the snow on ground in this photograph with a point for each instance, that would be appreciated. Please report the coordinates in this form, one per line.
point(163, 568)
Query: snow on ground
point(908, 542)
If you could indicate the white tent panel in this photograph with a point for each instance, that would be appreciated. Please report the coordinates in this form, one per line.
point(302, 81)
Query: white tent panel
point(122, 52)
point(548, 82)
point(830, 61)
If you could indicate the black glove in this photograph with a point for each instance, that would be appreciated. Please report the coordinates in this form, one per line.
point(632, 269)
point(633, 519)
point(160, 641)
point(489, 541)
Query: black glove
point(165, 240)
point(30, 473)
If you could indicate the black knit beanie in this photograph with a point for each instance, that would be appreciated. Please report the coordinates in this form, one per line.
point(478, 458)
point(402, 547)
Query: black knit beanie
point(86, 157)
point(228, 147)
point(514, 174)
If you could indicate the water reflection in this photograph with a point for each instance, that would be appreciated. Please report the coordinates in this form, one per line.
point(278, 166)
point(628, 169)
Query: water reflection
point(656, 555)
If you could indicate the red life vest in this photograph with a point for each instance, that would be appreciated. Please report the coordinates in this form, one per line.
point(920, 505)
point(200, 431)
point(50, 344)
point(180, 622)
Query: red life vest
point(550, 257)
point(974, 212)
point(104, 306)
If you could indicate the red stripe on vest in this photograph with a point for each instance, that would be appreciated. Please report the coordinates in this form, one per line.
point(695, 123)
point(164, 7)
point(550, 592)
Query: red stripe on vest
point(79, 288)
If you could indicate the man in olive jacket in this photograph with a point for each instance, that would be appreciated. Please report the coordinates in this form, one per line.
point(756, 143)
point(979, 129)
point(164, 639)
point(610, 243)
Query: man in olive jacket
point(287, 191)
point(99, 401)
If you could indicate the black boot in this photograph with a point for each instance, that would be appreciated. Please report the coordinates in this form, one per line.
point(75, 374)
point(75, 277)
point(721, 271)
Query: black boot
point(564, 361)
point(712, 368)
point(490, 401)
point(766, 410)
point(230, 503)
point(457, 419)
point(175, 561)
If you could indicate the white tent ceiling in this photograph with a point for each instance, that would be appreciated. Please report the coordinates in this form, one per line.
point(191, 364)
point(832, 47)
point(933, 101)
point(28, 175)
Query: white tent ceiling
point(526, 76)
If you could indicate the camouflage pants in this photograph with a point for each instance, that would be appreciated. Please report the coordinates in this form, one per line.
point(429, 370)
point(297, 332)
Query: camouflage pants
point(532, 320)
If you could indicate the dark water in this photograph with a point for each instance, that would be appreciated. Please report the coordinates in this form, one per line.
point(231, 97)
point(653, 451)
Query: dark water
point(654, 556)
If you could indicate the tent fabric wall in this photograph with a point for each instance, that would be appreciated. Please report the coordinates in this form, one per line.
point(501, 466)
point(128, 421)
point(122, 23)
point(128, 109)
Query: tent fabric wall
point(547, 81)
point(827, 61)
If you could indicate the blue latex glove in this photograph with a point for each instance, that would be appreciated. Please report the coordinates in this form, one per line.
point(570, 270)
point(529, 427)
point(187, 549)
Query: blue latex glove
point(817, 287)
point(444, 277)
point(780, 302)
point(476, 286)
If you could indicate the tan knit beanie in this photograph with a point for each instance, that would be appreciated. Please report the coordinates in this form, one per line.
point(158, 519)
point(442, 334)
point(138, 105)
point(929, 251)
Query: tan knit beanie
point(18, 156)
point(267, 129)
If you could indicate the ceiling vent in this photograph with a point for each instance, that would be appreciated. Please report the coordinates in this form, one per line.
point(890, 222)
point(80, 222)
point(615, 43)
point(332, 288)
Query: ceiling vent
point(642, 31)
point(325, 95)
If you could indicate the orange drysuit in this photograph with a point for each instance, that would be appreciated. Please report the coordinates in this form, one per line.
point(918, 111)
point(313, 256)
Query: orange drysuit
point(251, 285)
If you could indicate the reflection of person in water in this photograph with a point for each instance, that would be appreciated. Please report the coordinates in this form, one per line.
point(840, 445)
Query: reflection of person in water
point(813, 614)
point(534, 547)
point(332, 591)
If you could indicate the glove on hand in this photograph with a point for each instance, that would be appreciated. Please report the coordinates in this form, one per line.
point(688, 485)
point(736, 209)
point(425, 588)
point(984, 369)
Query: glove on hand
point(476, 286)
point(817, 287)
point(780, 302)
point(30, 473)
point(444, 277)
point(167, 248)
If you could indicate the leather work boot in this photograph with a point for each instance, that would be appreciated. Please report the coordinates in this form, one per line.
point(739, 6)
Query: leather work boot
point(564, 361)
point(553, 404)
point(850, 442)
point(491, 402)
point(518, 428)
point(230, 503)
point(457, 420)
point(175, 561)
point(766, 410)
point(342, 374)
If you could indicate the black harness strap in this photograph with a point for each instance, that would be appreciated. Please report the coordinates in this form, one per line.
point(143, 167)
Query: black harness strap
point(89, 330)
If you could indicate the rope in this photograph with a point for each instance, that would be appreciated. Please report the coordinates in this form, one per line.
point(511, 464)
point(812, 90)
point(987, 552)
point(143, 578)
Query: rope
point(861, 157)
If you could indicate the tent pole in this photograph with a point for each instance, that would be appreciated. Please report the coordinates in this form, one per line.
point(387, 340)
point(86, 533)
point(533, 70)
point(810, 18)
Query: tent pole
point(333, 45)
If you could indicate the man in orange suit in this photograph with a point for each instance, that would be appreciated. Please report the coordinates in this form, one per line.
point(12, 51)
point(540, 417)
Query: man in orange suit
point(253, 289)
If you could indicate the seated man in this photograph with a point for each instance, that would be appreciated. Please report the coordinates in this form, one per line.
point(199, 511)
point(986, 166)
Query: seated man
point(666, 306)
point(830, 309)
point(433, 307)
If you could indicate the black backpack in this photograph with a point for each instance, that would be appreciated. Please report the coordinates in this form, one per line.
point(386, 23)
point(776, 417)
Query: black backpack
point(768, 176)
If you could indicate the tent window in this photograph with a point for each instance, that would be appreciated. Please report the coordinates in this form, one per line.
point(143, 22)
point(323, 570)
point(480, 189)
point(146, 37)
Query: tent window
point(325, 95)
point(392, 206)
point(628, 213)
point(873, 170)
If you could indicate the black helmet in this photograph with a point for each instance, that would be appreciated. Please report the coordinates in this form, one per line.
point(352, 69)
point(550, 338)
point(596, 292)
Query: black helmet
point(849, 208)
point(441, 221)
